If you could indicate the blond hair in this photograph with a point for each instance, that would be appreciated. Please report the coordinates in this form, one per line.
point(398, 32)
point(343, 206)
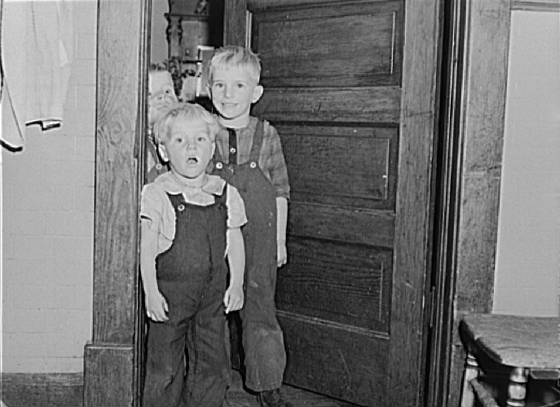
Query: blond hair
point(231, 56)
point(189, 111)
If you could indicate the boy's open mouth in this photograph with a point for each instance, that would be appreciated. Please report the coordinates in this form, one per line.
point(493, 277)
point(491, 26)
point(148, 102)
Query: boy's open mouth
point(192, 160)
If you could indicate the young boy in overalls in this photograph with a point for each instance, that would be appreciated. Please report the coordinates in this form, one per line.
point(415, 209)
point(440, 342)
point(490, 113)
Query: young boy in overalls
point(249, 156)
point(190, 221)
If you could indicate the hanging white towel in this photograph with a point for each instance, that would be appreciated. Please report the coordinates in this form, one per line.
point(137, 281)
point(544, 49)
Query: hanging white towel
point(37, 50)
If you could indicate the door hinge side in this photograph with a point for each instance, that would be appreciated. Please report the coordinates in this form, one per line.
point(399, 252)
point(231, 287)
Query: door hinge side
point(432, 309)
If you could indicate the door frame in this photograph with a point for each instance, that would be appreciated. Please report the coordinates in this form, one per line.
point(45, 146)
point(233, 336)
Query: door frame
point(447, 185)
point(115, 345)
point(111, 359)
point(472, 133)
point(419, 118)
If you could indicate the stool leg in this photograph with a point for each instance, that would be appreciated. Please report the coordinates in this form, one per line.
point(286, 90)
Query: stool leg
point(471, 372)
point(517, 388)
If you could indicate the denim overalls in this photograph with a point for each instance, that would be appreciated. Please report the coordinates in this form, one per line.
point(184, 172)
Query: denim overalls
point(263, 341)
point(192, 276)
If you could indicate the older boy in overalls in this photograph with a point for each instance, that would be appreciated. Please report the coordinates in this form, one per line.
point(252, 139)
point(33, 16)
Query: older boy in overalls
point(249, 156)
point(190, 220)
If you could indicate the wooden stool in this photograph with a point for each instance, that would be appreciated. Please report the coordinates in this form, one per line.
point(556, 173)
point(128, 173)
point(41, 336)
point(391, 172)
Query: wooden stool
point(529, 345)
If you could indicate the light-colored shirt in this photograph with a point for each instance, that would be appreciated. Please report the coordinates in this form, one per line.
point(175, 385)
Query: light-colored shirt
point(157, 210)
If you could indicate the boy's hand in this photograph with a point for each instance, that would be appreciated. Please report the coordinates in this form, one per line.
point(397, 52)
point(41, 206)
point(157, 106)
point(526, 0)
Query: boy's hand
point(156, 306)
point(281, 253)
point(233, 298)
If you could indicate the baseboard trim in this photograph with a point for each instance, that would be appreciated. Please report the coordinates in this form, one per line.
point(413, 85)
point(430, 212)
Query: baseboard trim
point(42, 389)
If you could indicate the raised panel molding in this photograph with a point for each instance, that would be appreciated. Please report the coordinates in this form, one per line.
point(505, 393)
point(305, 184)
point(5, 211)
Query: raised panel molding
point(318, 175)
point(338, 282)
point(338, 350)
point(292, 44)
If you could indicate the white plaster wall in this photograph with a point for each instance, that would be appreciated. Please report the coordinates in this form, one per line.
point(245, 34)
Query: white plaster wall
point(528, 254)
point(47, 230)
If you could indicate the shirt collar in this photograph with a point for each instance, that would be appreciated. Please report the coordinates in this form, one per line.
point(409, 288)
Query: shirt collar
point(202, 196)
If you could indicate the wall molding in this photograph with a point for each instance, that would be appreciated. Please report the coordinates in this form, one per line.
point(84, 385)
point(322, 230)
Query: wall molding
point(42, 389)
point(536, 5)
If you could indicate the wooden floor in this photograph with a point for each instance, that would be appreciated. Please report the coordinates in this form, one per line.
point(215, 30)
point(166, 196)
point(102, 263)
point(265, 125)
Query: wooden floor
point(239, 397)
point(65, 390)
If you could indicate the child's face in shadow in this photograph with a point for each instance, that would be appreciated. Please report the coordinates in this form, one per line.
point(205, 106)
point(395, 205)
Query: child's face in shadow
point(161, 95)
point(188, 147)
point(233, 91)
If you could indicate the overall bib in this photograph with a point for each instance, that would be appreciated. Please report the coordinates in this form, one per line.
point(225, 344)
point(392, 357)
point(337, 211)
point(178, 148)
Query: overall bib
point(263, 341)
point(192, 276)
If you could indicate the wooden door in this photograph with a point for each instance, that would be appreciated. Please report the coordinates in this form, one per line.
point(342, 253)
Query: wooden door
point(351, 88)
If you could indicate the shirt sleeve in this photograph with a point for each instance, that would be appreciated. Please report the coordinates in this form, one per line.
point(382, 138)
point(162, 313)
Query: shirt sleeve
point(150, 206)
point(157, 211)
point(235, 208)
point(274, 161)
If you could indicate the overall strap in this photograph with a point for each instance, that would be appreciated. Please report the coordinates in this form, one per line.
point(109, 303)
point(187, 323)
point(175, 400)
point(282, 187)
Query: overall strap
point(176, 200)
point(217, 155)
point(222, 199)
point(257, 142)
point(232, 142)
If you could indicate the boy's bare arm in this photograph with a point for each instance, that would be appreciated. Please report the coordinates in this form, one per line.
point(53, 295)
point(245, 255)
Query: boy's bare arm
point(282, 221)
point(233, 298)
point(156, 305)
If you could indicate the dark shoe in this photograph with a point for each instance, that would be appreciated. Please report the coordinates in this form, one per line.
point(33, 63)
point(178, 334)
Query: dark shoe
point(272, 398)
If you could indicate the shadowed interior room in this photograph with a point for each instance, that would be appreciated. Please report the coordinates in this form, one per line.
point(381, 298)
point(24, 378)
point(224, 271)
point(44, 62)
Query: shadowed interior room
point(421, 142)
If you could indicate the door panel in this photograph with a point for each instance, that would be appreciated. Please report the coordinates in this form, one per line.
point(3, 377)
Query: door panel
point(343, 44)
point(338, 282)
point(374, 228)
point(329, 358)
point(358, 145)
point(341, 164)
point(340, 105)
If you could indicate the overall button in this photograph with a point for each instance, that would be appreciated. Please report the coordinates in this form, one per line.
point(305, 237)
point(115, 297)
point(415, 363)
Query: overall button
point(253, 164)
point(219, 166)
point(232, 150)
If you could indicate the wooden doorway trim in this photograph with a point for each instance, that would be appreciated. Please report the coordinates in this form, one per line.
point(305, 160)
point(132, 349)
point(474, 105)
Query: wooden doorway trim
point(470, 160)
point(447, 189)
point(414, 206)
point(111, 369)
